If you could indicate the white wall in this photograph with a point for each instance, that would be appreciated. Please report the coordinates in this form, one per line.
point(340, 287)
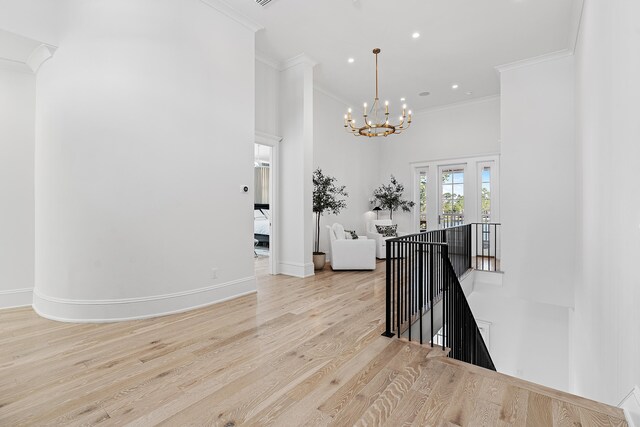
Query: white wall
point(528, 340)
point(144, 136)
point(267, 98)
point(42, 20)
point(465, 130)
point(606, 321)
point(352, 160)
point(17, 110)
point(538, 179)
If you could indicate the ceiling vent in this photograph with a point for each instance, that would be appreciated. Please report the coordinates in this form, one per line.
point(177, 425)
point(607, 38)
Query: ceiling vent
point(263, 2)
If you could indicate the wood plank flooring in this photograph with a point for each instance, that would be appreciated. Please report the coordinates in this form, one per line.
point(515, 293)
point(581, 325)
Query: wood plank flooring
point(299, 352)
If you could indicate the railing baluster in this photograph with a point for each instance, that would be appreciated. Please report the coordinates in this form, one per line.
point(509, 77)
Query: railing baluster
point(415, 283)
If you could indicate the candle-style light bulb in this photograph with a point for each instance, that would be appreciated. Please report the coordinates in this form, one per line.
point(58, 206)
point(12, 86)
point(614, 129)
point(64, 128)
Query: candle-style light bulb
point(386, 107)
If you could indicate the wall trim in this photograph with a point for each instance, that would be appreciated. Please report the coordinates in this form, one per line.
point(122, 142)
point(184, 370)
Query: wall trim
point(460, 104)
point(115, 310)
point(296, 269)
point(16, 298)
point(455, 160)
point(267, 139)
point(39, 55)
point(15, 66)
point(36, 58)
point(576, 23)
point(631, 405)
point(332, 95)
point(232, 13)
point(535, 60)
point(273, 63)
point(301, 59)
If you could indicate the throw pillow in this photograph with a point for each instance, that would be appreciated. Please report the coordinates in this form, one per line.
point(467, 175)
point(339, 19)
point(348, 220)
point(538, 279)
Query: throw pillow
point(387, 230)
point(351, 234)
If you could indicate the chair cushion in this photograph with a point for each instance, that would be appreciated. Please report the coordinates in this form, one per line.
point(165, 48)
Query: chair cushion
point(338, 231)
point(387, 230)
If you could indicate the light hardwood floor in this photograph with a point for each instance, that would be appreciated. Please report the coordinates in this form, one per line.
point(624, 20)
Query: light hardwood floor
point(299, 352)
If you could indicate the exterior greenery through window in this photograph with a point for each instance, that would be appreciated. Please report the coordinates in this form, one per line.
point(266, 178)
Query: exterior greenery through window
point(423, 201)
point(452, 197)
point(485, 197)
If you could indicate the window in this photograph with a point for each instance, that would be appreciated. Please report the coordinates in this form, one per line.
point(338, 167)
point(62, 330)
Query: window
point(485, 194)
point(452, 202)
point(422, 184)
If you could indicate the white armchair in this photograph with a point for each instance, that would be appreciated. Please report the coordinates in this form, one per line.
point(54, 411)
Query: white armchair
point(350, 254)
point(381, 241)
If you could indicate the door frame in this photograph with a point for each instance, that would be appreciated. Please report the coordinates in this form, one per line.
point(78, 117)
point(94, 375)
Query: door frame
point(471, 186)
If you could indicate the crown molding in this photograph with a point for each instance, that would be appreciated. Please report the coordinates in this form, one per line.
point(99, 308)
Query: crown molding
point(232, 13)
point(267, 138)
point(15, 66)
point(332, 95)
point(39, 56)
point(301, 59)
point(458, 104)
point(273, 63)
point(36, 58)
point(535, 60)
point(576, 23)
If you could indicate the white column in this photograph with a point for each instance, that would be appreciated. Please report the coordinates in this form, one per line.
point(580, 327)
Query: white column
point(296, 188)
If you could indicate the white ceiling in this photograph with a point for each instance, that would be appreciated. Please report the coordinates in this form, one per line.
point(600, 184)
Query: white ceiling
point(461, 41)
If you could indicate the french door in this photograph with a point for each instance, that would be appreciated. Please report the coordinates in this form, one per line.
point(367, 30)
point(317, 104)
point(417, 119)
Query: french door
point(452, 203)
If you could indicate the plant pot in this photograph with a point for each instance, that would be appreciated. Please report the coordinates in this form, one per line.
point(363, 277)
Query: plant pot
point(319, 260)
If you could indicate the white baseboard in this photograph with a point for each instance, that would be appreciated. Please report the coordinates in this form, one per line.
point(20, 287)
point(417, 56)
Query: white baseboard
point(296, 269)
point(631, 407)
point(16, 298)
point(104, 311)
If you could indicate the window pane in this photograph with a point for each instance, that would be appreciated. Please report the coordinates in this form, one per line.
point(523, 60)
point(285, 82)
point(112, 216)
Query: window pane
point(486, 175)
point(458, 177)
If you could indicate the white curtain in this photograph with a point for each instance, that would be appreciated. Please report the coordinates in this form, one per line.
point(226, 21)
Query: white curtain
point(261, 184)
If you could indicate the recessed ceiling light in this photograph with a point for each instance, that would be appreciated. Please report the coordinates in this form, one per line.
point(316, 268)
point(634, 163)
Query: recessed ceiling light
point(402, 99)
point(424, 93)
point(350, 60)
point(455, 86)
point(469, 93)
point(415, 35)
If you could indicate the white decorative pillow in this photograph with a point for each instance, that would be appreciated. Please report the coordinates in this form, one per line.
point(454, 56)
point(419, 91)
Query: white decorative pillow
point(338, 230)
point(350, 235)
point(388, 230)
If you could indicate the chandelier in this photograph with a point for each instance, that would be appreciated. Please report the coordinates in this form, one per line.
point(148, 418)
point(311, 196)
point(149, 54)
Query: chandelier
point(373, 124)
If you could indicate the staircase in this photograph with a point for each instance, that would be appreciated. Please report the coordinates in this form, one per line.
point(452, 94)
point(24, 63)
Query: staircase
point(424, 297)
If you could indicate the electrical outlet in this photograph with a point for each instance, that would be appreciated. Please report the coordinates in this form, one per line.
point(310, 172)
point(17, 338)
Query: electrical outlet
point(214, 273)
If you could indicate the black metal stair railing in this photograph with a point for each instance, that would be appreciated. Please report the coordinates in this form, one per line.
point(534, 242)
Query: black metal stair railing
point(422, 286)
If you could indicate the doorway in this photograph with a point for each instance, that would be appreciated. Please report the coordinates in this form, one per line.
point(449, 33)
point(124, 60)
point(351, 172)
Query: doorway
point(262, 206)
point(266, 199)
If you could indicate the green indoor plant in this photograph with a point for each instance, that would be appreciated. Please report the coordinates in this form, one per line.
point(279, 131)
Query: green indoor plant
point(389, 196)
point(326, 199)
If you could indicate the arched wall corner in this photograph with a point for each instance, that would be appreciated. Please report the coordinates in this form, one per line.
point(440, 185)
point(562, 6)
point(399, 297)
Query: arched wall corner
point(138, 211)
point(117, 310)
point(39, 55)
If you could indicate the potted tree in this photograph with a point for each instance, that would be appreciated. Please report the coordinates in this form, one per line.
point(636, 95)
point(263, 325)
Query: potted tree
point(326, 198)
point(389, 196)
